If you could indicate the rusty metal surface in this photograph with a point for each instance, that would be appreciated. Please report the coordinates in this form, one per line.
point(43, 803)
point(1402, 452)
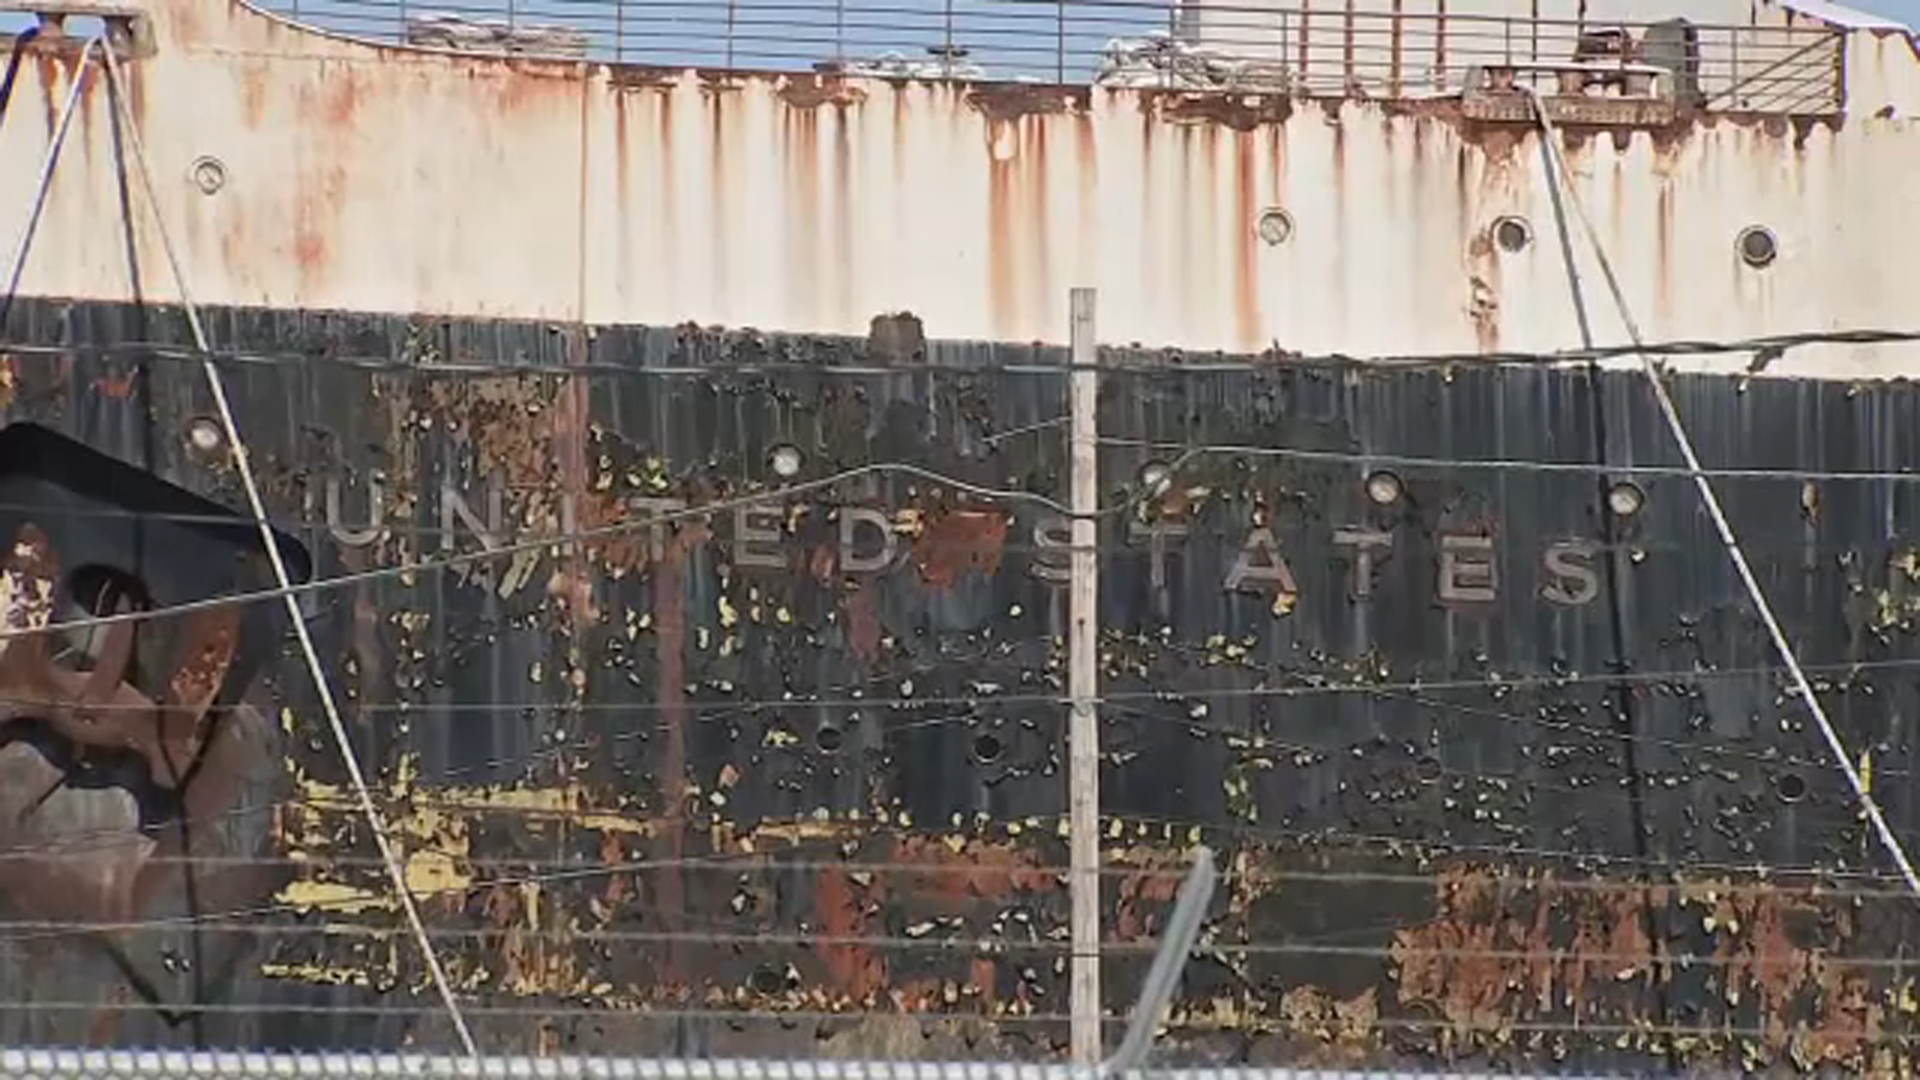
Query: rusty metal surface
point(138, 771)
point(303, 171)
point(652, 788)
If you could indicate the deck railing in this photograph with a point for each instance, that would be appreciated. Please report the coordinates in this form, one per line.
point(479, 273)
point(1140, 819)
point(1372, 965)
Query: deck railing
point(1303, 50)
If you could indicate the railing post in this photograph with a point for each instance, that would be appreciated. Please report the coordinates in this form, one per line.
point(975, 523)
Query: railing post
point(732, 12)
point(619, 30)
point(1733, 64)
point(512, 16)
point(947, 51)
point(1060, 44)
point(1170, 69)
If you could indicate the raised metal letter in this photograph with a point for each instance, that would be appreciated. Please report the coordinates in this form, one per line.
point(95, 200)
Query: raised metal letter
point(1574, 582)
point(1467, 574)
point(1272, 570)
point(1364, 543)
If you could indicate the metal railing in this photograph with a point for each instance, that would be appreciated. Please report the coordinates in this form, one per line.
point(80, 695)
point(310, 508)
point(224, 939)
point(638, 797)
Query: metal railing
point(1149, 43)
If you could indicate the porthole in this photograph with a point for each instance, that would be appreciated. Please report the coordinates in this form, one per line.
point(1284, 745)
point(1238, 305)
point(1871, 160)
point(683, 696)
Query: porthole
point(785, 461)
point(767, 979)
point(1384, 488)
point(1791, 787)
point(1512, 234)
point(205, 435)
point(1757, 246)
point(987, 748)
point(1625, 499)
point(209, 174)
point(1275, 227)
point(829, 739)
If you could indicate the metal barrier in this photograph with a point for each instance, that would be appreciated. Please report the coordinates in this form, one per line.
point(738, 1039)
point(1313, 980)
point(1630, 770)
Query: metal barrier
point(159, 1065)
point(1147, 43)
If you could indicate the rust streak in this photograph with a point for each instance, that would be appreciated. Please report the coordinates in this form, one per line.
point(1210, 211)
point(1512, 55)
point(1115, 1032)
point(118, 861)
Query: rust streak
point(670, 613)
point(1246, 269)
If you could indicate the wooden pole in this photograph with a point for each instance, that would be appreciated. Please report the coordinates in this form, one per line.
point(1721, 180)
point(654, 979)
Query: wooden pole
point(1083, 646)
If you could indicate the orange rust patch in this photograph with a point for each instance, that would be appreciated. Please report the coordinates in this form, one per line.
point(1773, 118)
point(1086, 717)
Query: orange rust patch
point(958, 541)
point(853, 970)
point(1240, 113)
point(813, 91)
point(863, 624)
point(1010, 102)
point(977, 870)
point(118, 387)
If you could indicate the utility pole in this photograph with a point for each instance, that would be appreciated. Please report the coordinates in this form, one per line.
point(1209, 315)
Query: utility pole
point(1083, 645)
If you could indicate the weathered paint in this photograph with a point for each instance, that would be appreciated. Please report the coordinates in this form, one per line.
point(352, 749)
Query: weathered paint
point(368, 178)
point(1434, 832)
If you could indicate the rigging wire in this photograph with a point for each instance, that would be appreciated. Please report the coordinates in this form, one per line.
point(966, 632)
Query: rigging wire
point(1656, 381)
point(269, 538)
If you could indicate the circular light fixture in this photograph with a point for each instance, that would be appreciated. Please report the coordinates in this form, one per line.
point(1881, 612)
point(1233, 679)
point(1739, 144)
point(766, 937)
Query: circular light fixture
point(785, 460)
point(1625, 499)
point(1155, 478)
point(205, 435)
point(1757, 246)
point(1275, 226)
point(1512, 233)
point(829, 739)
point(1384, 488)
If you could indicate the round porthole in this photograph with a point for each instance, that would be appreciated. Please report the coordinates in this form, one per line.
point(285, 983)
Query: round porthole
point(1625, 499)
point(1791, 787)
point(1512, 234)
point(1384, 488)
point(785, 461)
point(209, 174)
point(1275, 227)
point(205, 435)
point(987, 748)
point(1757, 246)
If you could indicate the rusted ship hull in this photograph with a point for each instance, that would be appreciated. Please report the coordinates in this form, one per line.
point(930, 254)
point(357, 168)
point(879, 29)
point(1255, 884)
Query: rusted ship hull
point(1491, 763)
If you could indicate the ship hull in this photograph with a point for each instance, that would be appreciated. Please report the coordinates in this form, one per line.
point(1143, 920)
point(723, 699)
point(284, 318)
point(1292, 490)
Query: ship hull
point(1490, 763)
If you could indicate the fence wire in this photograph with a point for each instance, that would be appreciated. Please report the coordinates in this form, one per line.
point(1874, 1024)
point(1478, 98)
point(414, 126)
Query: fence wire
point(157, 1065)
point(1240, 48)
